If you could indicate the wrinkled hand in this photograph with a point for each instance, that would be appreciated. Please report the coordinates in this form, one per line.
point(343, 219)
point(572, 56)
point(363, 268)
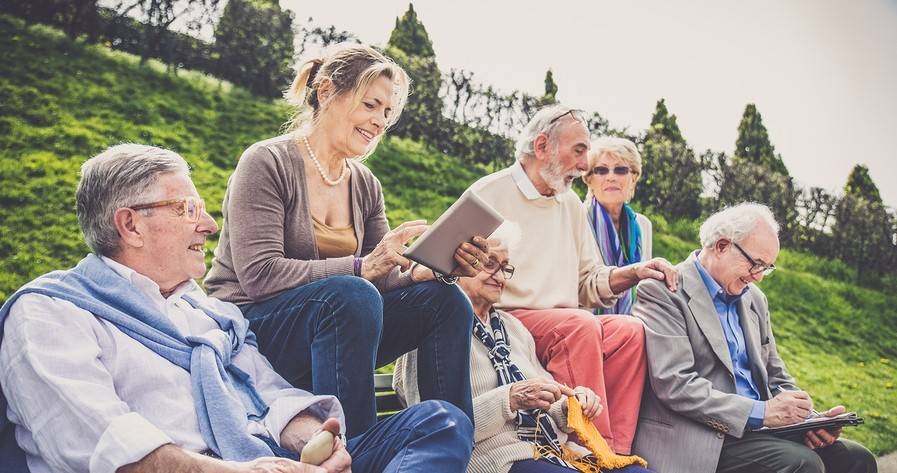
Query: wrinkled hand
point(388, 253)
point(821, 438)
point(788, 407)
point(536, 394)
point(590, 402)
point(274, 465)
point(660, 269)
point(339, 461)
point(471, 255)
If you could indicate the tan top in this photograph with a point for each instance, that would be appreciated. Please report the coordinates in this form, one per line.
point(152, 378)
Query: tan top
point(496, 446)
point(267, 240)
point(552, 247)
point(334, 242)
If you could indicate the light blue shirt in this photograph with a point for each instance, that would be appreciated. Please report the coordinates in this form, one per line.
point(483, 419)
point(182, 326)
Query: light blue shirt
point(727, 311)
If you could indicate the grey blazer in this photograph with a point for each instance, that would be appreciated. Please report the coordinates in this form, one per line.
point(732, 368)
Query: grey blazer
point(690, 404)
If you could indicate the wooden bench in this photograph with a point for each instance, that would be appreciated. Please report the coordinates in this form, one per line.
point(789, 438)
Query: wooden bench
point(387, 400)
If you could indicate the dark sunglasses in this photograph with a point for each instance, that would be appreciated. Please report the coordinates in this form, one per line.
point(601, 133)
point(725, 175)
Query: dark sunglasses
point(604, 170)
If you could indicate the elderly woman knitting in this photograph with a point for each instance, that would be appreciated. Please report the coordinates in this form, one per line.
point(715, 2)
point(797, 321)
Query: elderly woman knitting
point(520, 413)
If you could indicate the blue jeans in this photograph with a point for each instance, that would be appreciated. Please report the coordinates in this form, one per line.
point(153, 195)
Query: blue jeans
point(329, 335)
point(432, 435)
point(542, 466)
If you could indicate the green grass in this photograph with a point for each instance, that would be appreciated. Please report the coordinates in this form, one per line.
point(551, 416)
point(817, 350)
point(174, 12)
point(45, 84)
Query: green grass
point(62, 102)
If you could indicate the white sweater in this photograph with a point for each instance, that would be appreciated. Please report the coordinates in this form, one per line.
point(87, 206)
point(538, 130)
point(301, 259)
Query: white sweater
point(496, 446)
point(550, 244)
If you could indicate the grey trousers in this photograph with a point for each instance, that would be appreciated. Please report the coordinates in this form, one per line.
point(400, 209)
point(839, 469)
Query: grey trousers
point(763, 453)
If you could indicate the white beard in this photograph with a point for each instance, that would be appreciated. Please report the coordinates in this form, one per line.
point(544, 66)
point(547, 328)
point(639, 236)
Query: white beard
point(555, 176)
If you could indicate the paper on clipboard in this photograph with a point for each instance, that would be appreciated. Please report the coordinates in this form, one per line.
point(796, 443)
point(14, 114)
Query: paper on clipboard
point(468, 217)
point(813, 423)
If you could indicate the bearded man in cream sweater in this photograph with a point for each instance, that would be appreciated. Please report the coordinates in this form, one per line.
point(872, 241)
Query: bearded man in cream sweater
point(560, 276)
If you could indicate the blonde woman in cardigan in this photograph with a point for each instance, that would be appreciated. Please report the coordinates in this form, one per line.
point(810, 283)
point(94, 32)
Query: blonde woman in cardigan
point(518, 408)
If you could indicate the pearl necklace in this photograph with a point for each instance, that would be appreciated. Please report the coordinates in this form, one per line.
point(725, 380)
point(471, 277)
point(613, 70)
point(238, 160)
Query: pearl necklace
point(314, 159)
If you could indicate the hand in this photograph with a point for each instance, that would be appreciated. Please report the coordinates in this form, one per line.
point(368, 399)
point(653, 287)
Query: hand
point(388, 253)
point(274, 465)
point(339, 461)
point(788, 407)
point(660, 269)
point(471, 256)
point(591, 403)
point(536, 394)
point(821, 438)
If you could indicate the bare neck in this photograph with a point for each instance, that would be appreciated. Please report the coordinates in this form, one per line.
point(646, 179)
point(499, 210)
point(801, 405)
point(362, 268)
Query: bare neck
point(324, 152)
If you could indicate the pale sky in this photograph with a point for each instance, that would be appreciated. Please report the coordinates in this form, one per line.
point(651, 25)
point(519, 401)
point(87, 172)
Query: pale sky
point(823, 73)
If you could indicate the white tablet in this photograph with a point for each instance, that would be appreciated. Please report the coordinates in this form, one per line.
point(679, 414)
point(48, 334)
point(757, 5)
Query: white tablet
point(468, 217)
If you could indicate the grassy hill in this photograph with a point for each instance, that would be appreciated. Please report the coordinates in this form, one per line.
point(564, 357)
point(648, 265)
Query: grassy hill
point(62, 102)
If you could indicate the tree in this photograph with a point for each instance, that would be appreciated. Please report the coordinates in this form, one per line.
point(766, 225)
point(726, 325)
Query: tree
point(551, 90)
point(756, 173)
point(157, 17)
point(254, 46)
point(73, 16)
point(410, 36)
point(860, 185)
point(410, 46)
point(753, 145)
point(671, 180)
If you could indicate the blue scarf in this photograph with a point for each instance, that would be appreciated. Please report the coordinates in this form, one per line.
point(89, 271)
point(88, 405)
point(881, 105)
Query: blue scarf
point(615, 250)
point(224, 395)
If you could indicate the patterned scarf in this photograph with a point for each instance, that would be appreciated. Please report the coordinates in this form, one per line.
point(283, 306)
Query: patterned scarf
point(533, 425)
point(614, 251)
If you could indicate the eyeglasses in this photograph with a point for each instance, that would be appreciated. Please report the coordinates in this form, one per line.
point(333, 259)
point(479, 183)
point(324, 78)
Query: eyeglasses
point(577, 115)
point(604, 170)
point(756, 266)
point(493, 267)
point(189, 207)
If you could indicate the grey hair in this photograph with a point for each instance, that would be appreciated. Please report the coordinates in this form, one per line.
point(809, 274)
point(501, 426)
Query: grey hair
point(621, 148)
point(539, 124)
point(121, 176)
point(736, 223)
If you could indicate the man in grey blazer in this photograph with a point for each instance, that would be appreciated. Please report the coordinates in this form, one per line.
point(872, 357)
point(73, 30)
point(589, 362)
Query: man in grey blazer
point(715, 374)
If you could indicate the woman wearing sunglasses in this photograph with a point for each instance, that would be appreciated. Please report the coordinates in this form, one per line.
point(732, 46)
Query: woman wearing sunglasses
point(623, 236)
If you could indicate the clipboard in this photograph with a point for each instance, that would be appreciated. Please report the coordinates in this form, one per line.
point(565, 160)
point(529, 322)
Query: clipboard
point(468, 217)
point(813, 423)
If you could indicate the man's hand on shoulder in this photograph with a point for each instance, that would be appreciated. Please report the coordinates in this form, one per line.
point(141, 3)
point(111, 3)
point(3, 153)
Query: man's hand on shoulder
point(788, 407)
point(659, 269)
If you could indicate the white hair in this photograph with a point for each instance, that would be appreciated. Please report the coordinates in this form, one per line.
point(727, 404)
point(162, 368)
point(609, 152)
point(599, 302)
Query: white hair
point(736, 223)
point(619, 147)
point(121, 176)
point(539, 124)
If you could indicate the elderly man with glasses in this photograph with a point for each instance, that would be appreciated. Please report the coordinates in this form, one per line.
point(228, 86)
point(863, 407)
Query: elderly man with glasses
point(715, 374)
point(124, 364)
point(560, 277)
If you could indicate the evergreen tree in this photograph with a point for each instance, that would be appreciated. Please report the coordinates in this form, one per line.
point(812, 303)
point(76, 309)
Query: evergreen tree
point(753, 143)
point(254, 45)
point(860, 185)
point(551, 90)
point(410, 46)
point(671, 180)
point(410, 36)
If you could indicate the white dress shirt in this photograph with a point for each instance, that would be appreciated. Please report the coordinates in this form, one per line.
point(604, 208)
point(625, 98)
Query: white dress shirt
point(87, 397)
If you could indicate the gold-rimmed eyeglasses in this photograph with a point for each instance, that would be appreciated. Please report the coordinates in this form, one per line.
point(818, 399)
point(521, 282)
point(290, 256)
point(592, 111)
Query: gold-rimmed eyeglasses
point(492, 267)
point(191, 208)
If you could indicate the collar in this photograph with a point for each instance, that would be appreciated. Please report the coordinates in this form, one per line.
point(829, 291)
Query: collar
point(146, 285)
point(716, 291)
point(526, 186)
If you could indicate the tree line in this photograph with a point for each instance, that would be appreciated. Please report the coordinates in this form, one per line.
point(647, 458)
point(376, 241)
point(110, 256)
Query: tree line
point(256, 43)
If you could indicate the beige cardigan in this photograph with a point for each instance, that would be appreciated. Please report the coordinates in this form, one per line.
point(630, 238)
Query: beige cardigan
point(496, 446)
